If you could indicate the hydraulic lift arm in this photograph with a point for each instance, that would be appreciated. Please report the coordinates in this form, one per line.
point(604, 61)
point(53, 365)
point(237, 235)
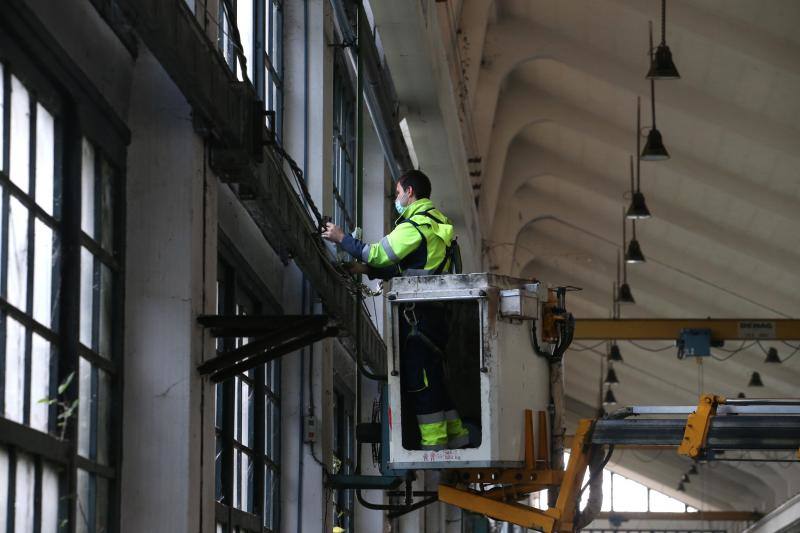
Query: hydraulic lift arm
point(715, 424)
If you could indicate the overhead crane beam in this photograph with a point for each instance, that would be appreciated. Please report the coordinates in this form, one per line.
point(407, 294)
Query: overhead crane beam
point(642, 329)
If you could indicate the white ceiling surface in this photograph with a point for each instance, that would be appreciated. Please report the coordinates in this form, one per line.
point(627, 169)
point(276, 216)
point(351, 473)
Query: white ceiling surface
point(554, 107)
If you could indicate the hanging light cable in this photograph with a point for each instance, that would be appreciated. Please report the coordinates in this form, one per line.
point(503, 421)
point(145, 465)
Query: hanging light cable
point(661, 65)
point(638, 207)
point(654, 149)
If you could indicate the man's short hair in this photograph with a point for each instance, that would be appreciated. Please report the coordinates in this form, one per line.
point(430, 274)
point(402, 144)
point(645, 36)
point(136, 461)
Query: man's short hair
point(418, 180)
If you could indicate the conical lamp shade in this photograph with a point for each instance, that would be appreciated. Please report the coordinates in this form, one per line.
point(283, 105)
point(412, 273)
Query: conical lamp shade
point(609, 398)
point(625, 296)
point(614, 354)
point(654, 149)
point(634, 253)
point(681, 488)
point(685, 479)
point(772, 356)
point(611, 376)
point(741, 395)
point(693, 470)
point(662, 67)
point(755, 380)
point(638, 207)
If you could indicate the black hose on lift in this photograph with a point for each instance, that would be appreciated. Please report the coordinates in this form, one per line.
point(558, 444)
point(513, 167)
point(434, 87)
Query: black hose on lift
point(595, 484)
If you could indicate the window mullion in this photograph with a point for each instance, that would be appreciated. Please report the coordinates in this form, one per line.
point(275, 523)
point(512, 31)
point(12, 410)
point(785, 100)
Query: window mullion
point(69, 304)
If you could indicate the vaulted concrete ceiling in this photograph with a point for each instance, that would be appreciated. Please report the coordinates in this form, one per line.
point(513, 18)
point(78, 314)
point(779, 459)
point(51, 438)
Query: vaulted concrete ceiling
point(552, 85)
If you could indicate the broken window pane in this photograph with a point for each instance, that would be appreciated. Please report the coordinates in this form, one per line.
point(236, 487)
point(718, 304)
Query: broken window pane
point(87, 297)
point(17, 254)
point(40, 383)
point(23, 500)
point(87, 189)
point(15, 370)
point(45, 158)
point(43, 259)
point(19, 170)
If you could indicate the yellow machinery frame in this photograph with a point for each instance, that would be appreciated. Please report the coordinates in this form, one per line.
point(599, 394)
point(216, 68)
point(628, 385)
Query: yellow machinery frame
point(500, 502)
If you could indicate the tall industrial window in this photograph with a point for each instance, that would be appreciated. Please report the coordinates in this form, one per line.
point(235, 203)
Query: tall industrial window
point(60, 313)
point(260, 25)
point(344, 145)
point(344, 453)
point(247, 418)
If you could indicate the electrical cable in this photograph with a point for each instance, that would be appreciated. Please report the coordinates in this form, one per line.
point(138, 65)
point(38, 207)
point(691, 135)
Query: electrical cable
point(731, 353)
point(585, 348)
point(647, 349)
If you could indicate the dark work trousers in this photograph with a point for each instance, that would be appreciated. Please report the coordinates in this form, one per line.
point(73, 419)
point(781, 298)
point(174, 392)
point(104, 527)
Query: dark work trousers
point(418, 360)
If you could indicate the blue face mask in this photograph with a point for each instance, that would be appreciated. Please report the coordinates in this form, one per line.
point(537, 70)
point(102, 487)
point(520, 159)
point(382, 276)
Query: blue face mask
point(398, 204)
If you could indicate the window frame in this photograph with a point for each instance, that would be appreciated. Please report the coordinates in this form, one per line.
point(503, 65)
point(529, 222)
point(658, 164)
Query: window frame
point(343, 447)
point(234, 274)
point(344, 138)
point(80, 112)
point(266, 62)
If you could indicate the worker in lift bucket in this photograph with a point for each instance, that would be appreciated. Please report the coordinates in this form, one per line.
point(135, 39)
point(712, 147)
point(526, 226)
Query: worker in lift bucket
point(422, 243)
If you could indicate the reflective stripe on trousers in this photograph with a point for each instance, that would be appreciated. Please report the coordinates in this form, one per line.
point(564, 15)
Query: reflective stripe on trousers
point(433, 430)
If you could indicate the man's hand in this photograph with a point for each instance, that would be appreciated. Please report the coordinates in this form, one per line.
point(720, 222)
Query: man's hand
point(357, 268)
point(333, 233)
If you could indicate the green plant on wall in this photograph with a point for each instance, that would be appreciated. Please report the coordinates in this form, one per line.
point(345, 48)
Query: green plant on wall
point(66, 408)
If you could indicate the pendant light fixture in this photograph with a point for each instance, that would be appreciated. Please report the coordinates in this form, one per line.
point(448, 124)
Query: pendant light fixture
point(638, 207)
point(685, 479)
point(693, 470)
point(681, 488)
point(755, 380)
point(654, 149)
point(611, 376)
point(661, 65)
point(634, 253)
point(609, 398)
point(614, 354)
point(624, 294)
point(772, 356)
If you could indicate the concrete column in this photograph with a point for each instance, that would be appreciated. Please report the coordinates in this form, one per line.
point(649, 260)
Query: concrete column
point(168, 446)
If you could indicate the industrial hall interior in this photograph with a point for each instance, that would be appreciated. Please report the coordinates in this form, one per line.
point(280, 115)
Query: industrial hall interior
point(440, 266)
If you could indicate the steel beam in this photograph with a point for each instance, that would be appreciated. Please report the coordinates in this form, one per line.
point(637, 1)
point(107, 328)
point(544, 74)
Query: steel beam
point(737, 432)
point(230, 113)
point(670, 329)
